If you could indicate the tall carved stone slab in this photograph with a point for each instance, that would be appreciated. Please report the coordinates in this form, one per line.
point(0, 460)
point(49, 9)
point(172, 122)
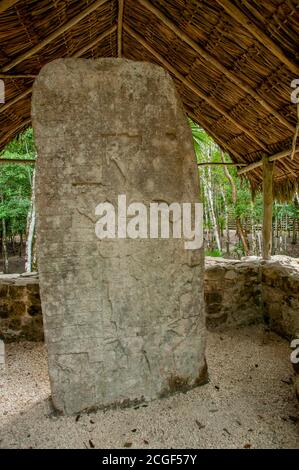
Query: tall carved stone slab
point(124, 318)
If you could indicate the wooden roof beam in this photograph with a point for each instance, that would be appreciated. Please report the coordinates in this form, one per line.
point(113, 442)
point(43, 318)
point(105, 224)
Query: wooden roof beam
point(27, 161)
point(5, 4)
point(17, 98)
point(120, 27)
point(16, 130)
point(17, 75)
point(65, 27)
point(213, 103)
point(222, 144)
point(220, 163)
point(98, 39)
point(257, 33)
point(80, 52)
point(214, 62)
point(276, 156)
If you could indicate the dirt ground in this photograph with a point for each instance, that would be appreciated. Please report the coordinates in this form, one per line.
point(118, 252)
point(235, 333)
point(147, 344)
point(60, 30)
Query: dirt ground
point(248, 403)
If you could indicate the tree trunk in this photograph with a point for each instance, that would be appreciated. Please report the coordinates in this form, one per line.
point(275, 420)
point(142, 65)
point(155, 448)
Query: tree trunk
point(21, 245)
point(268, 207)
point(240, 230)
point(30, 230)
point(227, 243)
point(253, 236)
point(294, 233)
point(4, 245)
point(211, 208)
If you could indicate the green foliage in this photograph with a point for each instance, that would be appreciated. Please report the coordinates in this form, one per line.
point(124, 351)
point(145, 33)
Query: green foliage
point(282, 210)
point(249, 212)
point(15, 183)
point(214, 253)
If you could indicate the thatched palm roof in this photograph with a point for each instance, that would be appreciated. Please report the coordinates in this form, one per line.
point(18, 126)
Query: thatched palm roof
point(233, 62)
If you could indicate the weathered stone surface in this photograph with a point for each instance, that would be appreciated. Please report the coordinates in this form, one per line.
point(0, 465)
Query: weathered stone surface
point(251, 290)
point(232, 293)
point(280, 284)
point(124, 319)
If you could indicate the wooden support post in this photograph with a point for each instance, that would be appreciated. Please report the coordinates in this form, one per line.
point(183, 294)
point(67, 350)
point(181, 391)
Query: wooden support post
point(277, 156)
point(268, 207)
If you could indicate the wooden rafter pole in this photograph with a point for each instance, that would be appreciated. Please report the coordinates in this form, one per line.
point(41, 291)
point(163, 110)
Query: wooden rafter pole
point(221, 142)
point(80, 52)
point(16, 130)
point(267, 207)
point(276, 156)
point(88, 46)
point(65, 27)
point(25, 161)
point(120, 27)
point(193, 87)
point(17, 98)
point(5, 4)
point(220, 163)
point(215, 63)
point(262, 37)
point(223, 145)
point(17, 75)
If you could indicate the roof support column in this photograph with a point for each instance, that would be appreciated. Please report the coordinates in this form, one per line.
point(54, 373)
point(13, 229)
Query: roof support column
point(268, 207)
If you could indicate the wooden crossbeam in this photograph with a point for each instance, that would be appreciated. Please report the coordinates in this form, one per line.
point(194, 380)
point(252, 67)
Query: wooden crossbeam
point(17, 75)
point(256, 32)
point(220, 163)
point(276, 156)
point(120, 27)
point(65, 27)
point(26, 161)
point(5, 4)
point(193, 87)
point(224, 145)
point(213, 61)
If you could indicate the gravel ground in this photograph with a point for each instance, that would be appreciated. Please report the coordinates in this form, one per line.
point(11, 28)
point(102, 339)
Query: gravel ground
point(249, 402)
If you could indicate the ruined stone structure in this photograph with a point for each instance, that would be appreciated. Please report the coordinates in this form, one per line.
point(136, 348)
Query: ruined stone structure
point(20, 308)
point(124, 318)
point(240, 293)
point(237, 293)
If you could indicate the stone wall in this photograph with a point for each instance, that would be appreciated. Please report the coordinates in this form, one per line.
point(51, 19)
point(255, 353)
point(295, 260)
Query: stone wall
point(280, 296)
point(232, 293)
point(252, 291)
point(237, 293)
point(20, 308)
